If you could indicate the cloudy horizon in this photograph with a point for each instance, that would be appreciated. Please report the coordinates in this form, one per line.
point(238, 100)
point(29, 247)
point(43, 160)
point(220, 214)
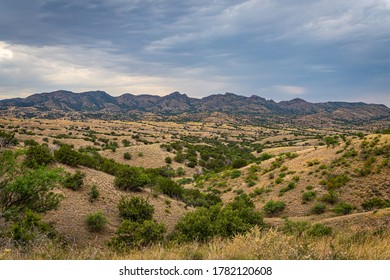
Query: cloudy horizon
point(314, 50)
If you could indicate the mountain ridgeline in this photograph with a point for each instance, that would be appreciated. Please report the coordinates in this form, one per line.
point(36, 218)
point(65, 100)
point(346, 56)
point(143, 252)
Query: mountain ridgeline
point(177, 106)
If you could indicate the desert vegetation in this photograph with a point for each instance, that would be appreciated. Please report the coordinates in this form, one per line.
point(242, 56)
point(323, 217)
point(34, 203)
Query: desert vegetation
point(191, 191)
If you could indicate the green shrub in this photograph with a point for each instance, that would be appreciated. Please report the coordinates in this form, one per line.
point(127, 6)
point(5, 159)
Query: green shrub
point(127, 156)
point(131, 179)
point(330, 197)
point(170, 188)
point(30, 142)
point(28, 227)
point(201, 225)
point(319, 230)
point(37, 156)
point(308, 196)
point(180, 171)
point(75, 181)
point(65, 154)
point(274, 207)
point(289, 187)
point(136, 209)
point(93, 193)
point(375, 202)
point(168, 160)
point(335, 181)
point(238, 163)
point(343, 208)
point(96, 221)
point(22, 189)
point(132, 234)
point(235, 173)
point(318, 209)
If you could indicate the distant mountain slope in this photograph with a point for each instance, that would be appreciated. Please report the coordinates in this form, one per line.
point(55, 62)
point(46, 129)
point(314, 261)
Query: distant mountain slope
point(101, 103)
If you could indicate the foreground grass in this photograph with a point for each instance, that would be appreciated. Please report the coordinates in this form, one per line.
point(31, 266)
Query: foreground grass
point(269, 244)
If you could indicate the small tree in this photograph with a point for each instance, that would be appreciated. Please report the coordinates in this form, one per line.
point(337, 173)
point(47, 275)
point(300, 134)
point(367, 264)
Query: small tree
point(26, 189)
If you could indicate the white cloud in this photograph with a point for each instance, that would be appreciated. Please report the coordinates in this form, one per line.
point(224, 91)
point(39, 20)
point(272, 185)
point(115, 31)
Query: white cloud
point(34, 69)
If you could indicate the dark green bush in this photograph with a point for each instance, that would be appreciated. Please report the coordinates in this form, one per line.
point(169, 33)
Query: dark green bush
point(22, 189)
point(137, 234)
point(238, 163)
point(330, 197)
point(168, 160)
point(308, 196)
point(136, 209)
point(37, 156)
point(235, 173)
point(170, 188)
point(75, 181)
point(29, 227)
point(343, 208)
point(96, 221)
point(65, 154)
point(131, 179)
point(201, 225)
point(375, 203)
point(274, 207)
point(127, 156)
point(93, 193)
point(289, 187)
point(318, 209)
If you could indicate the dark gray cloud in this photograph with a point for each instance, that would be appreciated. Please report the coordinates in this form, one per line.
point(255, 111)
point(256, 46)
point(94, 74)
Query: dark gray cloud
point(277, 49)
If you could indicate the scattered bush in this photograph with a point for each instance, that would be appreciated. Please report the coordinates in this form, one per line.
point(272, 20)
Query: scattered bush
point(93, 194)
point(127, 156)
point(96, 221)
point(375, 203)
point(132, 234)
point(136, 209)
point(65, 154)
point(235, 173)
point(201, 225)
point(318, 209)
point(308, 196)
point(131, 179)
point(37, 156)
point(75, 181)
point(343, 208)
point(238, 163)
point(168, 160)
point(274, 207)
point(330, 197)
point(289, 187)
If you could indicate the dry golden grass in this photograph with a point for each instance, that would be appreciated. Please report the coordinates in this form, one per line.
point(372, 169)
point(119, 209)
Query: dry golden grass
point(269, 244)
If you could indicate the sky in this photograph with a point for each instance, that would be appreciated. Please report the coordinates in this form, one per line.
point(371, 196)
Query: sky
point(278, 49)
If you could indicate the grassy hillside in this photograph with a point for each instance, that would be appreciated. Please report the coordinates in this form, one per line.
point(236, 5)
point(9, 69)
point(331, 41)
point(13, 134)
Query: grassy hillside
point(310, 194)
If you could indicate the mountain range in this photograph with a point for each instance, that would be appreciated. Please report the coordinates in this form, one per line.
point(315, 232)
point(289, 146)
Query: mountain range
point(100, 104)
